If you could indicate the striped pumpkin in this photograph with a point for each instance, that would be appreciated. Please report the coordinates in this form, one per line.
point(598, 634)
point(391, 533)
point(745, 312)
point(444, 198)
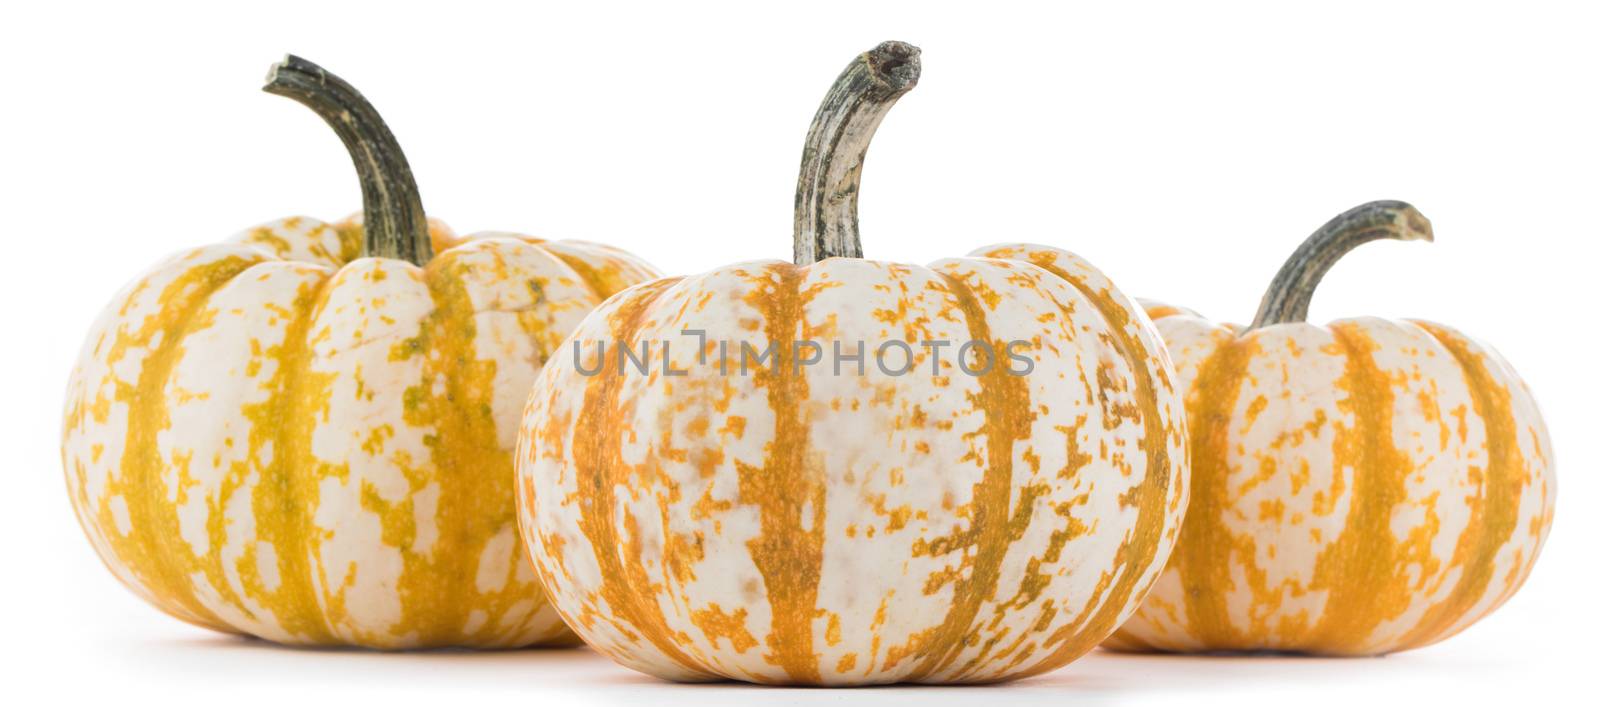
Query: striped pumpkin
point(1360, 488)
point(836, 523)
point(274, 436)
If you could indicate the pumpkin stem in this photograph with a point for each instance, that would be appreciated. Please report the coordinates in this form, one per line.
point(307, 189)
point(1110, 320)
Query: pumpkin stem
point(830, 168)
point(1288, 298)
point(391, 208)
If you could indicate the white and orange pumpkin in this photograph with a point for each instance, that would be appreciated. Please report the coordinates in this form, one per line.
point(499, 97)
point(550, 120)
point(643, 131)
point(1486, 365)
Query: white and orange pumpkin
point(276, 436)
point(1360, 488)
point(853, 509)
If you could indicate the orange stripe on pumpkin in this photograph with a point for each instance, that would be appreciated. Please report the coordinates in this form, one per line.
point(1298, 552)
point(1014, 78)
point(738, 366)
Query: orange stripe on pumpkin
point(599, 467)
point(1494, 516)
point(437, 591)
point(1204, 545)
point(1007, 418)
point(154, 549)
point(788, 554)
point(1149, 496)
point(1359, 568)
point(285, 496)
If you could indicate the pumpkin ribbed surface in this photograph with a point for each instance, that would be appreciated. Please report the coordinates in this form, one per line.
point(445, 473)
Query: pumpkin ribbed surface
point(263, 438)
point(1365, 487)
point(836, 524)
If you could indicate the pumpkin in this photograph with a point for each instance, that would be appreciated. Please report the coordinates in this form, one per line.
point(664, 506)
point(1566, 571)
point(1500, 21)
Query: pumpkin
point(1360, 488)
point(858, 506)
point(305, 433)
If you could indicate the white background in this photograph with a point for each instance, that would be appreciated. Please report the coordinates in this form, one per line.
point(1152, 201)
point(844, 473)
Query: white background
point(1184, 150)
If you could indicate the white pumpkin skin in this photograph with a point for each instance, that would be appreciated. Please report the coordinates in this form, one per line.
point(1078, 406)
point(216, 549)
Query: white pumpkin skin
point(1364, 487)
point(858, 528)
point(263, 438)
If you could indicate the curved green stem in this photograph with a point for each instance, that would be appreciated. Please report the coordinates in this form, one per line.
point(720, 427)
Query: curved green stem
point(392, 215)
point(1288, 298)
point(830, 169)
